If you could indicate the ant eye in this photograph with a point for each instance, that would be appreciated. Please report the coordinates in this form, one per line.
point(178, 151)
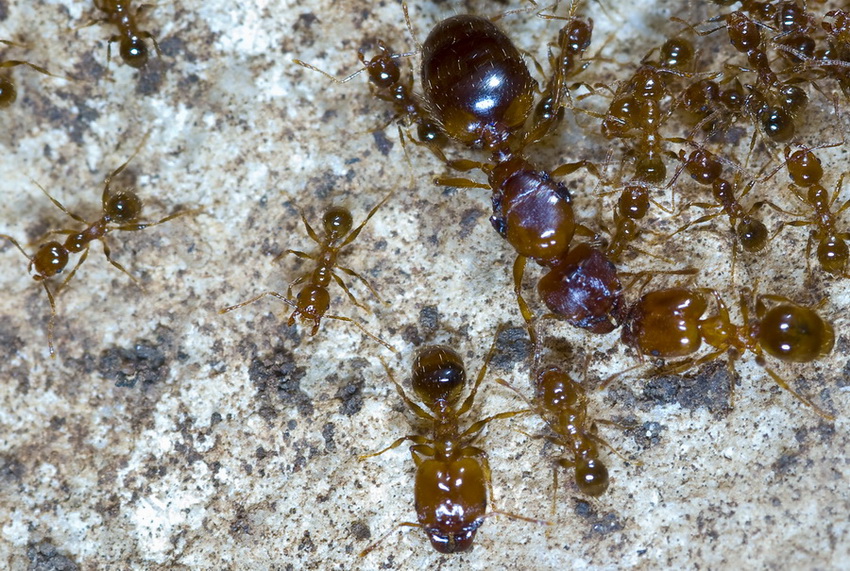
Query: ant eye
point(134, 52)
point(124, 207)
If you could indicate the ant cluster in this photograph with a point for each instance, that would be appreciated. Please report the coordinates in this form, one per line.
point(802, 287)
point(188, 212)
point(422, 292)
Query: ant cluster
point(481, 110)
point(479, 96)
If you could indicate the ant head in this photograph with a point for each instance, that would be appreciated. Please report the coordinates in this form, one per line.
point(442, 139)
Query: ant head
point(337, 222)
point(592, 477)
point(8, 92)
point(134, 51)
point(382, 69)
point(50, 259)
point(676, 53)
point(556, 389)
point(123, 206)
point(575, 37)
point(438, 375)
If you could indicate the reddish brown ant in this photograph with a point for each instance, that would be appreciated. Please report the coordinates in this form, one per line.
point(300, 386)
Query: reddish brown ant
point(805, 170)
point(131, 40)
point(8, 91)
point(121, 212)
point(669, 323)
point(453, 481)
point(313, 301)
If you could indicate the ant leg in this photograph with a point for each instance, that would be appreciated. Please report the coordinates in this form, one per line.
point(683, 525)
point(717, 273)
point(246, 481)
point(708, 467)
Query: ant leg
point(51, 325)
point(570, 168)
point(107, 252)
point(297, 253)
point(417, 410)
point(350, 295)
point(782, 383)
point(74, 271)
point(412, 437)
point(18, 246)
point(299, 280)
point(285, 300)
point(364, 331)
point(149, 36)
point(467, 403)
point(144, 225)
point(59, 205)
point(525, 311)
point(354, 274)
point(15, 63)
point(459, 182)
point(473, 431)
point(108, 180)
point(354, 233)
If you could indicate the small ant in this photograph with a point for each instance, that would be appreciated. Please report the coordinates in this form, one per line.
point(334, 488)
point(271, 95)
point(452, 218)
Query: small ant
point(8, 91)
point(562, 404)
point(668, 323)
point(453, 478)
point(121, 211)
point(384, 74)
point(706, 169)
point(313, 301)
point(805, 170)
point(131, 40)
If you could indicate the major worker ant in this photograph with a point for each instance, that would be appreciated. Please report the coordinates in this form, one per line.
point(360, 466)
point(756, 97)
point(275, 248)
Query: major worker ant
point(669, 323)
point(313, 301)
point(453, 481)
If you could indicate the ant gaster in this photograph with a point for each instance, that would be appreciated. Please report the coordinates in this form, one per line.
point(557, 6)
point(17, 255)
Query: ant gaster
point(131, 40)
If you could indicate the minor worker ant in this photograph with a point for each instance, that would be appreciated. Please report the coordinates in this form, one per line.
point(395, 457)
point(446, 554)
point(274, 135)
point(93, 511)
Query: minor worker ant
point(805, 170)
point(121, 211)
point(131, 40)
point(313, 301)
point(669, 323)
point(453, 481)
point(8, 90)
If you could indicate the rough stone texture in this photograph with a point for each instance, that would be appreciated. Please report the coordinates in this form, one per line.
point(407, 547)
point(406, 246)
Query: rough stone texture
point(167, 436)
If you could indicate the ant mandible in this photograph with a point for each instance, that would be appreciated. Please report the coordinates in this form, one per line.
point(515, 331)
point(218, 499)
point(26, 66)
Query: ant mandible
point(121, 211)
point(313, 301)
point(453, 480)
point(131, 40)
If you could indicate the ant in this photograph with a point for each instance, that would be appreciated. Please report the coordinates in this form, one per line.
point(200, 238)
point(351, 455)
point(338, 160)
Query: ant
point(313, 301)
point(385, 75)
point(805, 170)
point(573, 41)
point(562, 404)
point(8, 91)
point(453, 478)
point(706, 169)
point(668, 323)
point(131, 40)
point(121, 211)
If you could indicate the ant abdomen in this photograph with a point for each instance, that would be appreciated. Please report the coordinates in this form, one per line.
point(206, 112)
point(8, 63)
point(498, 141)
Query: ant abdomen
point(665, 323)
point(475, 80)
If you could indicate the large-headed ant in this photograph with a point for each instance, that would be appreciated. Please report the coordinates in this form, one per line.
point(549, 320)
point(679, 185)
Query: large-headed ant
point(314, 300)
point(453, 481)
point(131, 40)
point(8, 91)
point(669, 323)
point(121, 211)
